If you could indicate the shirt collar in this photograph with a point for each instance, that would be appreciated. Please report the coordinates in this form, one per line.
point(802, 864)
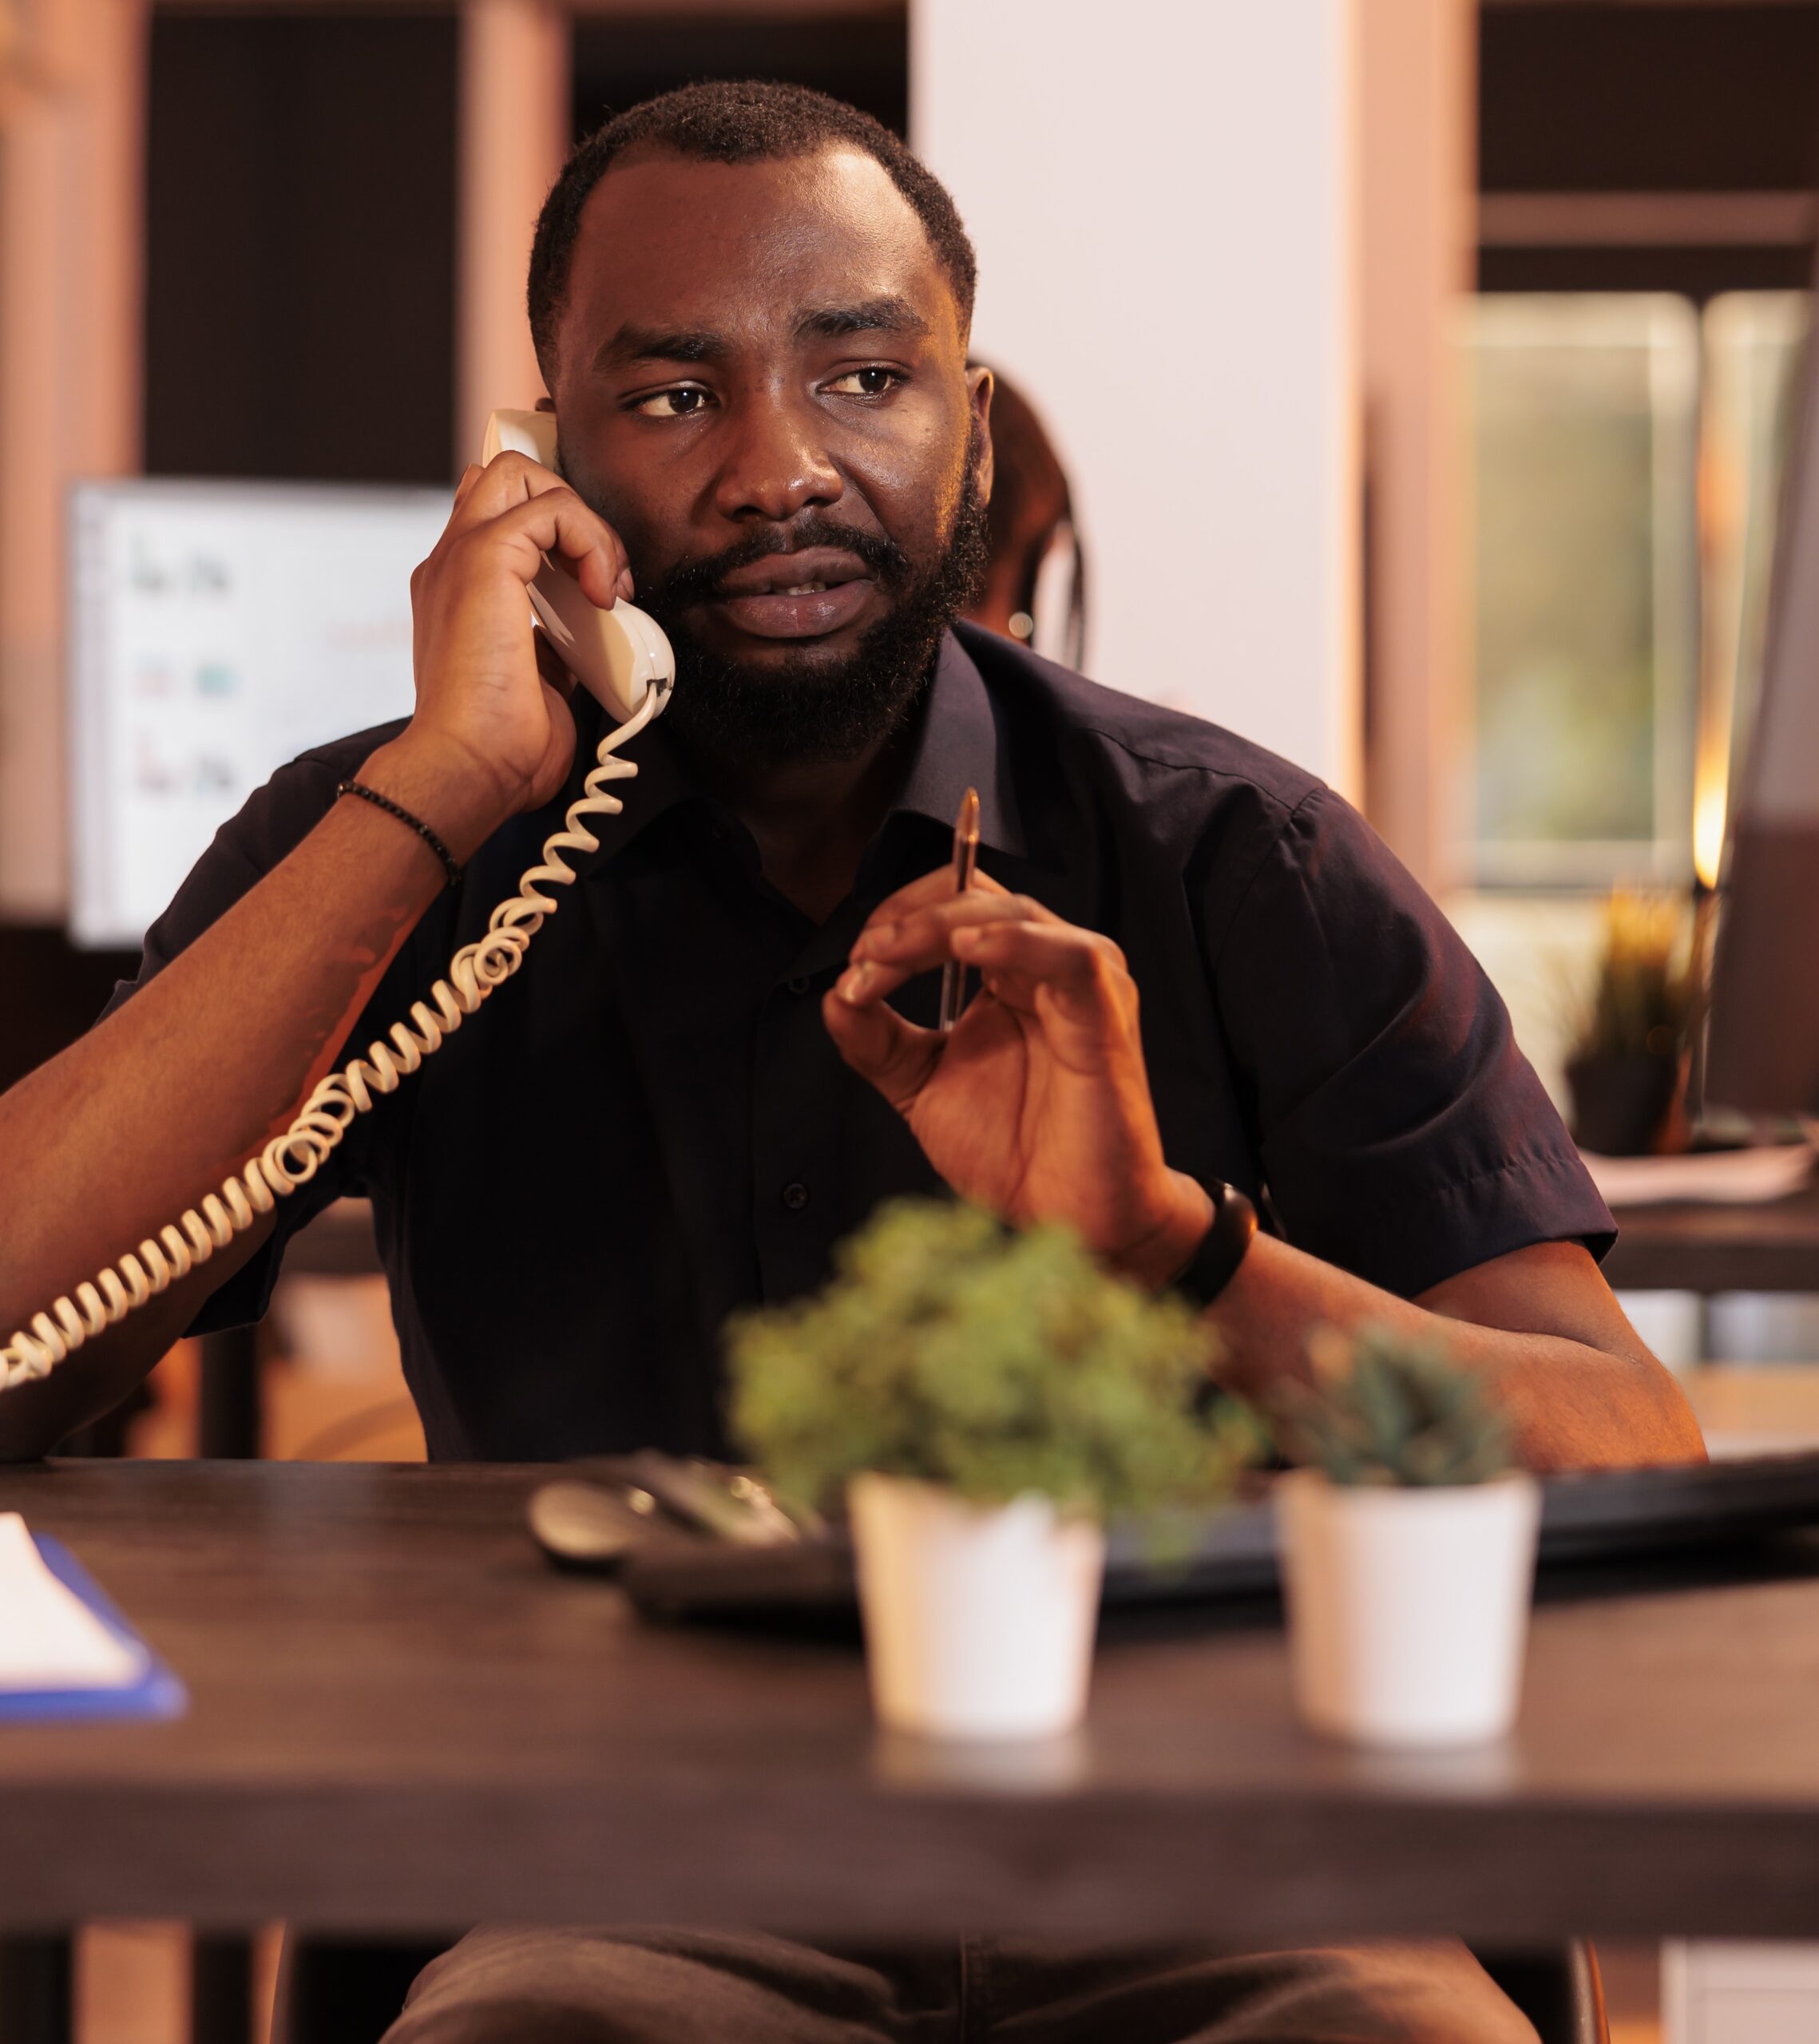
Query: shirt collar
point(960, 745)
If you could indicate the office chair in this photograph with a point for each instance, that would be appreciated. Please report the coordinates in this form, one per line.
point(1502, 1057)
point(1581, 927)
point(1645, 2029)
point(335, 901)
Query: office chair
point(334, 1992)
point(1558, 1989)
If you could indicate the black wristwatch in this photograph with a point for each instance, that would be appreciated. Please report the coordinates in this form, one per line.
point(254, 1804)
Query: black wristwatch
point(1214, 1263)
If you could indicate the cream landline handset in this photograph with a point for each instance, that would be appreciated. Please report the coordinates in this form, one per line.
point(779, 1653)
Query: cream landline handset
point(622, 658)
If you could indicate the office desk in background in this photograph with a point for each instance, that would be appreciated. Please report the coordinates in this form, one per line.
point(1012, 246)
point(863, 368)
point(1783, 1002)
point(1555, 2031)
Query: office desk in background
point(1772, 1246)
point(402, 1719)
point(1706, 1250)
point(1767, 1247)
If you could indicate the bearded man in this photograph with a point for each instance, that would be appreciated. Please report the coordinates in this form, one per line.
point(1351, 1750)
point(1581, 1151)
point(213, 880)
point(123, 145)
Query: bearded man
point(751, 305)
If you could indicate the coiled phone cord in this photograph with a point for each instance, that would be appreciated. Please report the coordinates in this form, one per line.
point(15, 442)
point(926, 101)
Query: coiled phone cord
point(293, 1158)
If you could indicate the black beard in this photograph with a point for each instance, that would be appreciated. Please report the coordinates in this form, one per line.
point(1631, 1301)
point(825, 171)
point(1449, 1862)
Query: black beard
point(804, 710)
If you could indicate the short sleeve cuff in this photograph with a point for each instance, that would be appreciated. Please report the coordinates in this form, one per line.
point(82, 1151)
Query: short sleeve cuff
point(1409, 1246)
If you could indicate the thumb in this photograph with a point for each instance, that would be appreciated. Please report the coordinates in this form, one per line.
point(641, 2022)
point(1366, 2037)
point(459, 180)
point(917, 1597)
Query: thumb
point(875, 1041)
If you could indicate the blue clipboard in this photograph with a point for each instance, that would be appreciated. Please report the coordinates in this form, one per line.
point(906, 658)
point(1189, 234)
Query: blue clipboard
point(154, 1692)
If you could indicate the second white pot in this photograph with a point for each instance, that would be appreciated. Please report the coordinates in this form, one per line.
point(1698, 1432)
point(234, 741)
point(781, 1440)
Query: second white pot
point(1407, 1608)
point(979, 1620)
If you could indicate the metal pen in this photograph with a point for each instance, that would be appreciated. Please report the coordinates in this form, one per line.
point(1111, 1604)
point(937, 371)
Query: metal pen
point(966, 859)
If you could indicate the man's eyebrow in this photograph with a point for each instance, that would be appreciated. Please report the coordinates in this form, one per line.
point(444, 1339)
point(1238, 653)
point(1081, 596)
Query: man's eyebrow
point(871, 316)
point(633, 343)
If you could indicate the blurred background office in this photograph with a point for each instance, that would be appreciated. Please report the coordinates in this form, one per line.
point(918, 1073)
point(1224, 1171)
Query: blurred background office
point(1415, 376)
point(1420, 370)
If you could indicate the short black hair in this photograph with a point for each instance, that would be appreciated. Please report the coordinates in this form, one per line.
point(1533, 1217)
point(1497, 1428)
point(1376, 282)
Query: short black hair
point(743, 121)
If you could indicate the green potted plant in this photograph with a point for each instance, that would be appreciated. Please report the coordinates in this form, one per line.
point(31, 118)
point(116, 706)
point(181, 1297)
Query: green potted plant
point(983, 1398)
point(1407, 1545)
point(1629, 1042)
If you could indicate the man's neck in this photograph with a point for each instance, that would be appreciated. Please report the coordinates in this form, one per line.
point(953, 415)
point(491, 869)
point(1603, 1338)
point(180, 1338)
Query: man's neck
point(811, 820)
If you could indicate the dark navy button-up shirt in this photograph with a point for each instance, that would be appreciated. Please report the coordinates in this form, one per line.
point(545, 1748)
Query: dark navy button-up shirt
point(649, 1125)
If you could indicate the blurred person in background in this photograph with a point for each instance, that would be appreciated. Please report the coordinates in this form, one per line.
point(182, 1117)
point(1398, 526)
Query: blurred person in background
point(1029, 520)
point(751, 305)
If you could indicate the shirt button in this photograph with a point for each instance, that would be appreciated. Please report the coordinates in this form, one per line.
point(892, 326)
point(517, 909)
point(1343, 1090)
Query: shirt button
point(800, 984)
point(796, 1196)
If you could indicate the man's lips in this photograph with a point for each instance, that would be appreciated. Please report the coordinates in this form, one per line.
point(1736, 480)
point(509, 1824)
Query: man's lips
point(805, 595)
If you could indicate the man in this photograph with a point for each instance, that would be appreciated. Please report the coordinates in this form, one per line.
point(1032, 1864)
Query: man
point(751, 308)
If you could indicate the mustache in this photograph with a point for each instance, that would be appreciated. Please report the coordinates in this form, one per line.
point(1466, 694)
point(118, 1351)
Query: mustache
point(694, 582)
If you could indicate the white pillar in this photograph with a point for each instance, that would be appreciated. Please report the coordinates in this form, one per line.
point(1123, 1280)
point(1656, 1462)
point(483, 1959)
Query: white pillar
point(1417, 76)
point(71, 203)
point(515, 56)
point(1160, 192)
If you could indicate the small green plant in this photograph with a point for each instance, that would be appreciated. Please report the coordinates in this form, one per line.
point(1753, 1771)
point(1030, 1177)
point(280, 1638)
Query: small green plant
point(1642, 994)
point(951, 1348)
point(1390, 1409)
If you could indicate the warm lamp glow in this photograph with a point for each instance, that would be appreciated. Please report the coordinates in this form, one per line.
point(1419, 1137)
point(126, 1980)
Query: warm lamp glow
point(1711, 780)
point(1708, 833)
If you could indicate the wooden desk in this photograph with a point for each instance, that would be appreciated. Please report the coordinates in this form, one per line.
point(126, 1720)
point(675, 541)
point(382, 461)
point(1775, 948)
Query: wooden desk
point(402, 1719)
point(1773, 1247)
point(1755, 1408)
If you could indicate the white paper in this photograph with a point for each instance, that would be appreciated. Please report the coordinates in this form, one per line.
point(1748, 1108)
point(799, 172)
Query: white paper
point(49, 1639)
point(1741, 1177)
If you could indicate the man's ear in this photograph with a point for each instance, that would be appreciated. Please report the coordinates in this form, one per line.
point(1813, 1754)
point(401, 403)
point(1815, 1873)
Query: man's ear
point(979, 398)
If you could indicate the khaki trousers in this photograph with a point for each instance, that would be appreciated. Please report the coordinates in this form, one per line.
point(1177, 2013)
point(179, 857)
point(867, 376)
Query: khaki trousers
point(660, 1987)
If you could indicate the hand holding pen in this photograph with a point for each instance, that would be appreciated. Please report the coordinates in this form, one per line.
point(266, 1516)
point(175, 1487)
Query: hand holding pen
point(1039, 1107)
point(966, 862)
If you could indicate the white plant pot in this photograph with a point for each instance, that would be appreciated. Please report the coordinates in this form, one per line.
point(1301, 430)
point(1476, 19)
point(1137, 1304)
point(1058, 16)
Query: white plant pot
point(1407, 1608)
point(979, 1619)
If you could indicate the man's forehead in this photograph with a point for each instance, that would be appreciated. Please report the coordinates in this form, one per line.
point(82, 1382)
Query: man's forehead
point(673, 242)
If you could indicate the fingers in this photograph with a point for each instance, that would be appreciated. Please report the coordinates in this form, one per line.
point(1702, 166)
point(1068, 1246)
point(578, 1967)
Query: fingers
point(556, 523)
point(485, 490)
point(1050, 969)
point(515, 499)
point(1073, 982)
point(887, 953)
point(932, 887)
point(875, 1041)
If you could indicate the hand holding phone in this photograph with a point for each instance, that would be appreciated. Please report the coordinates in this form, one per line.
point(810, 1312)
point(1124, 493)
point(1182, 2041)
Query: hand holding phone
point(491, 735)
point(616, 654)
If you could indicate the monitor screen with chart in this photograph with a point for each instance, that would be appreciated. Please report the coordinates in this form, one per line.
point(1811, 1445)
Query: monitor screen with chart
point(217, 629)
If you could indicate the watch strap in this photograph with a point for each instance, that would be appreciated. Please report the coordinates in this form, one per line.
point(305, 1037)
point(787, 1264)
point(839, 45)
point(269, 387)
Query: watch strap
point(1221, 1249)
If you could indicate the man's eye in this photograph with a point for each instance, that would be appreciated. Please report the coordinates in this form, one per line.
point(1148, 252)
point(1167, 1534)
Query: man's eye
point(866, 382)
point(682, 403)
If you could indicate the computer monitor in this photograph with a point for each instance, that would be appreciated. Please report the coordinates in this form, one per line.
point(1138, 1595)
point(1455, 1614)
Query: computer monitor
point(217, 629)
point(1762, 1048)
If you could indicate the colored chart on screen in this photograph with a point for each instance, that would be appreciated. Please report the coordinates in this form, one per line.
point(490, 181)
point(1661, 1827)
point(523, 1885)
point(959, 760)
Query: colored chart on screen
point(217, 631)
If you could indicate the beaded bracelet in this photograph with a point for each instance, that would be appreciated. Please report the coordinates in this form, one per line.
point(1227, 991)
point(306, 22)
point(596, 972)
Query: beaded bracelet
point(404, 816)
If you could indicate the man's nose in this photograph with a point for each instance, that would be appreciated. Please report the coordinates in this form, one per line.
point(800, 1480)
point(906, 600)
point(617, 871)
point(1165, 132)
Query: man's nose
point(775, 464)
